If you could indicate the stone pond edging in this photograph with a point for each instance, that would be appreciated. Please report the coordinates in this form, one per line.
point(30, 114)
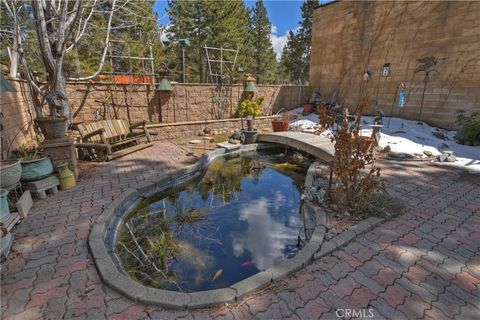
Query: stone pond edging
point(119, 281)
point(110, 219)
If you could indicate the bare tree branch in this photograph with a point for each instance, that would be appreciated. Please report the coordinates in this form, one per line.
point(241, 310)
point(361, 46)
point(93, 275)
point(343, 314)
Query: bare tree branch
point(105, 49)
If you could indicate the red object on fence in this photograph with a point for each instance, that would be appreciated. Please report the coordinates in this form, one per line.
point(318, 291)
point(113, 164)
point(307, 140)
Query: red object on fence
point(122, 79)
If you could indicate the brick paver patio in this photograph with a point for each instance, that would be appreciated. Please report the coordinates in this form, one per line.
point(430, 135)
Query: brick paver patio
point(422, 265)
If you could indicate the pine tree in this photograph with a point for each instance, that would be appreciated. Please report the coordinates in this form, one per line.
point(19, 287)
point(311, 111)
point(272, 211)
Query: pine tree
point(209, 22)
point(264, 60)
point(296, 53)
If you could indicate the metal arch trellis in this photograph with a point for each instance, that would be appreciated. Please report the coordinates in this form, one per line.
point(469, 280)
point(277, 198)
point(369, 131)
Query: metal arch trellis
point(220, 71)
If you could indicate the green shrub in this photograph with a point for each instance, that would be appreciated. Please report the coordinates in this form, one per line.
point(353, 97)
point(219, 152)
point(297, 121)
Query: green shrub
point(470, 128)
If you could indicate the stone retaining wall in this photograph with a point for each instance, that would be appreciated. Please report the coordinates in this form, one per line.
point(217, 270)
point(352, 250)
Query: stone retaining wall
point(187, 102)
point(188, 107)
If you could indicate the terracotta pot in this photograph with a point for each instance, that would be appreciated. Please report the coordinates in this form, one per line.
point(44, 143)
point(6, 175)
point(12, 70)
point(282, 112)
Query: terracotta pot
point(280, 125)
point(52, 128)
point(308, 108)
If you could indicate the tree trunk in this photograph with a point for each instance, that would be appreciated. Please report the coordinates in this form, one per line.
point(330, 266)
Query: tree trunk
point(64, 104)
point(14, 58)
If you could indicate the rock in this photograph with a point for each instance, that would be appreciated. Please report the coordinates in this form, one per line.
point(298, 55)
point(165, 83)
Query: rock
point(195, 141)
point(442, 157)
point(234, 141)
point(439, 135)
point(428, 153)
point(451, 158)
point(443, 146)
point(447, 156)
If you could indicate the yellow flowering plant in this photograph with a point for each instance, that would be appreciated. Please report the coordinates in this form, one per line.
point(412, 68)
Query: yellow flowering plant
point(250, 107)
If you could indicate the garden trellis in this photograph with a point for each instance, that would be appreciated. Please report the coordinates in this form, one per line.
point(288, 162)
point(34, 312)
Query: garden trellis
point(221, 65)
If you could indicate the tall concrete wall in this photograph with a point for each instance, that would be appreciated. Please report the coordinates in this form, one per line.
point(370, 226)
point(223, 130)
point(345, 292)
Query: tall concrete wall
point(351, 38)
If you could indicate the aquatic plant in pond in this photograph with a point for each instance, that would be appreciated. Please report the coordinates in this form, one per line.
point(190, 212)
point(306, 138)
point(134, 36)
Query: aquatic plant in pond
point(241, 216)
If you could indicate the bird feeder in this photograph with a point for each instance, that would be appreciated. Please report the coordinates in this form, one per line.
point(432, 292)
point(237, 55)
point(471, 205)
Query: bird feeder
point(183, 43)
point(164, 85)
point(250, 88)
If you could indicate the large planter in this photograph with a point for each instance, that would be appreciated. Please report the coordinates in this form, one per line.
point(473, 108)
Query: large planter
point(248, 137)
point(10, 171)
point(36, 169)
point(52, 128)
point(280, 125)
point(4, 210)
point(308, 108)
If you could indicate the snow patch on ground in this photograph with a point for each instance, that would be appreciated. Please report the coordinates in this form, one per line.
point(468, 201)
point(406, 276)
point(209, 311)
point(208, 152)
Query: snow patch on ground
point(407, 137)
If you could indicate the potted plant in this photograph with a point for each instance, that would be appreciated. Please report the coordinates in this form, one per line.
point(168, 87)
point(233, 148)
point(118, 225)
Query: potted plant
point(281, 122)
point(54, 125)
point(35, 166)
point(10, 171)
point(308, 108)
point(249, 108)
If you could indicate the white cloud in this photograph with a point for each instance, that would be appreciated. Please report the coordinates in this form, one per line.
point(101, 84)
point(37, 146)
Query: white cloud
point(265, 237)
point(165, 33)
point(274, 29)
point(278, 42)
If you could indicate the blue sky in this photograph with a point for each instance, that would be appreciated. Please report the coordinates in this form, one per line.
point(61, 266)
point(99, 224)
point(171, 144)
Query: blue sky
point(283, 14)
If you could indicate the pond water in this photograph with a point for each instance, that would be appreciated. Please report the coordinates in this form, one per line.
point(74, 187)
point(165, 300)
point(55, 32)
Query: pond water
point(240, 217)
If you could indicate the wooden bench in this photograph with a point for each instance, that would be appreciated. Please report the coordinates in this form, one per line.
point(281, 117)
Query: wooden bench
point(110, 139)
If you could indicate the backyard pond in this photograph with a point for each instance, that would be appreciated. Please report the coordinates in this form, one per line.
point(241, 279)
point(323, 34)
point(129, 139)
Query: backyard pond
point(240, 216)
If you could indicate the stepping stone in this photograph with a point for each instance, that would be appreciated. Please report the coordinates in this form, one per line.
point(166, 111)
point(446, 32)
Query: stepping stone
point(228, 146)
point(40, 187)
point(24, 204)
point(195, 141)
